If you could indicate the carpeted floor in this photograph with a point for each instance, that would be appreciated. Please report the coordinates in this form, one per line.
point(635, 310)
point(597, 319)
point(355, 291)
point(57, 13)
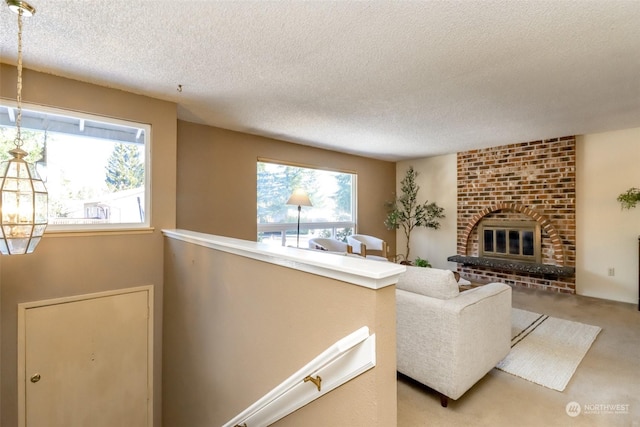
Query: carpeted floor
point(606, 385)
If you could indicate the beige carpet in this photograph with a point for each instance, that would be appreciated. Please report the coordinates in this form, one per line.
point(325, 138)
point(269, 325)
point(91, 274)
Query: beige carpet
point(546, 350)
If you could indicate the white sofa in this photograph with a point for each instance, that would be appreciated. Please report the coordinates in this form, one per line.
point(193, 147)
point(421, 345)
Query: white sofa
point(446, 339)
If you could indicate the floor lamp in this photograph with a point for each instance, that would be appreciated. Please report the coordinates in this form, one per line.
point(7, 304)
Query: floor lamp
point(301, 198)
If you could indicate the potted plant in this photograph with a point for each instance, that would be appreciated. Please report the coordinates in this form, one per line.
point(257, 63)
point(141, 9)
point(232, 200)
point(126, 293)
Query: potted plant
point(630, 198)
point(405, 212)
point(419, 262)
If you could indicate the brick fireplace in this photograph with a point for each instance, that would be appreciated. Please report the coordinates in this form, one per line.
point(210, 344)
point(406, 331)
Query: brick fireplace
point(525, 182)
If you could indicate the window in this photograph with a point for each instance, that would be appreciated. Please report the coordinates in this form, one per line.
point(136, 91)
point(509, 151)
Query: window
point(96, 169)
point(332, 195)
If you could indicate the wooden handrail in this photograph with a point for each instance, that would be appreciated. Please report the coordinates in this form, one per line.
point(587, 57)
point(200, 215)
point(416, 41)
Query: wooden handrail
point(338, 364)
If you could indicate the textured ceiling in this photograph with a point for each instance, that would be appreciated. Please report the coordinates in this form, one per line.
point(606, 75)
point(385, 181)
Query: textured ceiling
point(386, 79)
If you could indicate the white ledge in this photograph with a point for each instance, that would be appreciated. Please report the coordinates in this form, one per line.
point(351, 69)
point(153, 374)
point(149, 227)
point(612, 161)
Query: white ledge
point(350, 269)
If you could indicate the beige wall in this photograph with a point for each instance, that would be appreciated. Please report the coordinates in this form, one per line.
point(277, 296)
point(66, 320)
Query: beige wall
point(217, 180)
point(63, 266)
point(218, 168)
point(239, 327)
point(438, 183)
point(607, 236)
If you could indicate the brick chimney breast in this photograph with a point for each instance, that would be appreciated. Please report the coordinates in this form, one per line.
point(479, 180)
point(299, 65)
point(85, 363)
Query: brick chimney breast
point(524, 181)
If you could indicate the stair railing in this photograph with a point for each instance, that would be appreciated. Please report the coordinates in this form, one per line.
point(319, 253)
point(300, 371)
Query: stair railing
point(341, 362)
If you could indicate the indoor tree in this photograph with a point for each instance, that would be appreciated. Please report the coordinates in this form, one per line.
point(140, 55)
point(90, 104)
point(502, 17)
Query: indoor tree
point(405, 212)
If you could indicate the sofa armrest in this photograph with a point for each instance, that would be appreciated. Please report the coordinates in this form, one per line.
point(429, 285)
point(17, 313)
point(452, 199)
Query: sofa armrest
point(450, 344)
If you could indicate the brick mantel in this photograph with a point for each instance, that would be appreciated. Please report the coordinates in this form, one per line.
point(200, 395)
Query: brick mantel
point(531, 180)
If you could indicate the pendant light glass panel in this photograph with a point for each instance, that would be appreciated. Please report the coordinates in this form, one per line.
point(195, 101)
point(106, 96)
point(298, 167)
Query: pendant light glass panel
point(23, 207)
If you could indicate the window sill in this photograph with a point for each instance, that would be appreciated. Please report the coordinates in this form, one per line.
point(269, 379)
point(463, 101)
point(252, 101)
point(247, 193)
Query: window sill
point(89, 233)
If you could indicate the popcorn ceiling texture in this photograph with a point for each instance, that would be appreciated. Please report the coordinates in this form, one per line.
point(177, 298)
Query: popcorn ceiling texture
point(389, 79)
point(525, 181)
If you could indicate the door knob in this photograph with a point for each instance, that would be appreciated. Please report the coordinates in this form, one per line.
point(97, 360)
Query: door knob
point(35, 378)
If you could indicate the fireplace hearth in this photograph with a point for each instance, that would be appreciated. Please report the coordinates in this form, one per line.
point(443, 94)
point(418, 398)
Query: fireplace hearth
point(514, 266)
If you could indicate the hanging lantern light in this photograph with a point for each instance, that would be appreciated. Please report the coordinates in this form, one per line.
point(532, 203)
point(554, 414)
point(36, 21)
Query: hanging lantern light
point(23, 195)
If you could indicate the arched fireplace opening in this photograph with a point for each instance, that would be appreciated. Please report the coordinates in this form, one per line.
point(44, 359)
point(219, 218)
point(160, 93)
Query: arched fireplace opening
point(511, 222)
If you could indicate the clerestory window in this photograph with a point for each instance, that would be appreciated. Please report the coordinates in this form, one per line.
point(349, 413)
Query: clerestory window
point(96, 169)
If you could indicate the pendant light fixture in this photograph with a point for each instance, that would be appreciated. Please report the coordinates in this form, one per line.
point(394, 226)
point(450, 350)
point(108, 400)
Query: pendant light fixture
point(23, 195)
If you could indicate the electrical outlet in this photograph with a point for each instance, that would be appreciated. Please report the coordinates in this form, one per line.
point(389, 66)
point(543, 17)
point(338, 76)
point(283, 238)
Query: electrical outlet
point(612, 271)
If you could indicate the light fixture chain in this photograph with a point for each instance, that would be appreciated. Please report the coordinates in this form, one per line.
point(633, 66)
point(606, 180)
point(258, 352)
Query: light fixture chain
point(18, 140)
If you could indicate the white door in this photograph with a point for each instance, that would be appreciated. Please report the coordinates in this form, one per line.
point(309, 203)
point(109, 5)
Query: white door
point(86, 361)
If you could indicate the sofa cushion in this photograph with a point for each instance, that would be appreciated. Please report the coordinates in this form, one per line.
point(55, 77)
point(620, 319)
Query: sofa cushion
point(432, 282)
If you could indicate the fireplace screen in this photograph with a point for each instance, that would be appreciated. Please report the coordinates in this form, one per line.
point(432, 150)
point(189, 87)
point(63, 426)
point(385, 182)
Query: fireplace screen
point(510, 239)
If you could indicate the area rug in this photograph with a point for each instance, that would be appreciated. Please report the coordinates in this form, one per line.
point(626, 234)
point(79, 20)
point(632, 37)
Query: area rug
point(546, 350)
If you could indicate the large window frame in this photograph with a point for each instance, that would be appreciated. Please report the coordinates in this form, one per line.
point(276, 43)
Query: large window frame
point(285, 232)
point(75, 123)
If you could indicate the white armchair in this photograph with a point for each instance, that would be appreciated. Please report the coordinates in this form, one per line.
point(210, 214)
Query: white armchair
point(363, 243)
point(330, 245)
point(446, 339)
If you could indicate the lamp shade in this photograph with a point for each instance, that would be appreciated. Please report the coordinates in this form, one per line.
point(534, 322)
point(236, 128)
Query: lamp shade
point(23, 205)
point(299, 197)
